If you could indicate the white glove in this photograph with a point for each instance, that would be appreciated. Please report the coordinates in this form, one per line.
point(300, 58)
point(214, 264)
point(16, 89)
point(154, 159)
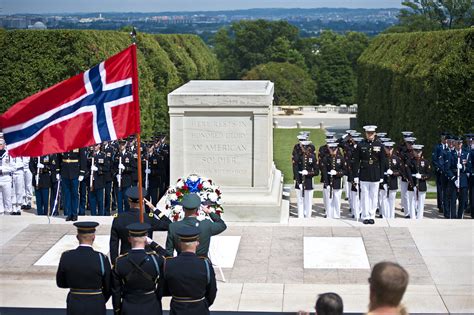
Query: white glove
point(40, 165)
point(385, 187)
point(418, 176)
point(333, 172)
point(356, 180)
point(147, 171)
point(303, 172)
point(58, 177)
point(459, 166)
point(301, 186)
point(456, 183)
point(121, 166)
point(148, 240)
point(389, 172)
point(94, 168)
point(80, 178)
point(381, 180)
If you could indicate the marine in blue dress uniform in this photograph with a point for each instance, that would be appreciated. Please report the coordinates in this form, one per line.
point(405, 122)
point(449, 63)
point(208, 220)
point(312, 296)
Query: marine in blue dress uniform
point(86, 273)
point(190, 279)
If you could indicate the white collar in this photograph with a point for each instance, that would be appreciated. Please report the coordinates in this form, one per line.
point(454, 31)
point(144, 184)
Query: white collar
point(85, 245)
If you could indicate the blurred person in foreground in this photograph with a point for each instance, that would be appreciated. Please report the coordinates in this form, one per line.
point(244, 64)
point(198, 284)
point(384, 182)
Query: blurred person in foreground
point(388, 282)
point(327, 304)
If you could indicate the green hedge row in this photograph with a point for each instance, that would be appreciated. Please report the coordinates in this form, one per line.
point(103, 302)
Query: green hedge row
point(31, 61)
point(422, 82)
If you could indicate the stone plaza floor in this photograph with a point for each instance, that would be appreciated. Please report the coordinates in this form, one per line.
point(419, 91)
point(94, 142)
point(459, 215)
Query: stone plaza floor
point(273, 267)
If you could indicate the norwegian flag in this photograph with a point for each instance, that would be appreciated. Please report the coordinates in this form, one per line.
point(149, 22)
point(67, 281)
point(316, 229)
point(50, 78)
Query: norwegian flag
point(98, 105)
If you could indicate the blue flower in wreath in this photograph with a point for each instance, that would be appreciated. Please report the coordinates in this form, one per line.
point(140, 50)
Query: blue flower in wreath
point(193, 185)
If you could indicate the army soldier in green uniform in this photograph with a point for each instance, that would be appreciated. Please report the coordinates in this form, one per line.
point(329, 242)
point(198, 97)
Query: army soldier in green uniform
point(190, 279)
point(191, 203)
point(136, 285)
point(86, 273)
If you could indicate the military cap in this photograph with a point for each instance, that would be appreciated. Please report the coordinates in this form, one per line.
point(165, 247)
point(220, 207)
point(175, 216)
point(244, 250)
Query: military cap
point(134, 194)
point(306, 133)
point(332, 145)
point(330, 140)
point(188, 234)
point(356, 134)
point(306, 142)
point(381, 134)
point(469, 136)
point(138, 229)
point(122, 141)
point(407, 133)
point(370, 128)
point(458, 139)
point(410, 139)
point(383, 139)
point(191, 201)
point(86, 227)
point(301, 137)
point(350, 132)
point(389, 144)
point(418, 147)
point(358, 139)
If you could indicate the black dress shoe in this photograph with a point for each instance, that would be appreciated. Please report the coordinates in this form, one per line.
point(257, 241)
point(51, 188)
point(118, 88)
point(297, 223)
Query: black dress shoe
point(366, 221)
point(380, 216)
point(407, 217)
point(68, 218)
point(23, 207)
point(74, 218)
point(371, 221)
point(27, 207)
point(402, 210)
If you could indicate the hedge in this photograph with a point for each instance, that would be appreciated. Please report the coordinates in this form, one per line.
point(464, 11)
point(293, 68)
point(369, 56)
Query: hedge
point(421, 82)
point(32, 60)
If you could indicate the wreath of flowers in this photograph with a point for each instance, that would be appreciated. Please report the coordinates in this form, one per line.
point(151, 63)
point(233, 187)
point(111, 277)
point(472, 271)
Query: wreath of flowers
point(209, 193)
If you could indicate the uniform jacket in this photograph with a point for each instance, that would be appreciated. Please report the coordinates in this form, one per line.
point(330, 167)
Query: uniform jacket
point(190, 277)
point(206, 227)
point(119, 231)
point(451, 170)
point(393, 163)
point(130, 166)
point(137, 290)
point(102, 163)
point(305, 160)
point(421, 166)
point(369, 161)
point(44, 175)
point(72, 164)
point(337, 163)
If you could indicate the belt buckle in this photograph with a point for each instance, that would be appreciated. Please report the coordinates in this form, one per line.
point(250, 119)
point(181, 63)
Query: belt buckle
point(371, 162)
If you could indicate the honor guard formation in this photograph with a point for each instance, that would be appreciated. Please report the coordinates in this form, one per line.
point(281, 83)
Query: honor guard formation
point(91, 179)
point(371, 169)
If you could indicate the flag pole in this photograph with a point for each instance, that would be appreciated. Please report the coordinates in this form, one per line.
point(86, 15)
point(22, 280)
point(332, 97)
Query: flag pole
point(139, 146)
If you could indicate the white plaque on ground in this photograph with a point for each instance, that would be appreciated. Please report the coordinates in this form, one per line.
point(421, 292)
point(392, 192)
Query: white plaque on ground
point(68, 242)
point(223, 250)
point(335, 253)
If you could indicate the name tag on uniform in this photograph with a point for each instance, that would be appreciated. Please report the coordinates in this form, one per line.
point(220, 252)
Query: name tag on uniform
point(422, 163)
point(377, 149)
point(127, 160)
point(338, 161)
point(101, 161)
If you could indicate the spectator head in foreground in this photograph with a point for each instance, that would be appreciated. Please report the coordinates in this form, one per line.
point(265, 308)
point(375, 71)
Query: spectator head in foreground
point(388, 282)
point(329, 304)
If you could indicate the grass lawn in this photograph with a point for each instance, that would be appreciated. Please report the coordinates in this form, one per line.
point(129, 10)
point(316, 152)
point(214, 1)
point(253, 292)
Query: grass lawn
point(283, 142)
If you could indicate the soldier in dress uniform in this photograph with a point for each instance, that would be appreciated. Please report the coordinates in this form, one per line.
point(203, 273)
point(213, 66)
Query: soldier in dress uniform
point(41, 168)
point(446, 179)
point(405, 152)
point(156, 176)
point(437, 162)
point(305, 167)
point(333, 168)
point(71, 169)
point(354, 199)
point(18, 178)
point(191, 204)
point(419, 170)
point(136, 276)
point(119, 232)
point(390, 184)
point(5, 179)
point(190, 279)
point(27, 177)
point(369, 163)
point(125, 164)
point(109, 152)
point(55, 203)
point(457, 167)
point(98, 165)
point(470, 149)
point(86, 273)
point(346, 143)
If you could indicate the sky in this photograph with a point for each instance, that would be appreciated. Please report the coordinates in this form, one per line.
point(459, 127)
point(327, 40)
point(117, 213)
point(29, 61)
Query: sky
point(83, 6)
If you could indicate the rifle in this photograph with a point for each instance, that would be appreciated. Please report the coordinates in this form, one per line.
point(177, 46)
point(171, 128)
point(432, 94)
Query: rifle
point(119, 179)
point(146, 174)
point(91, 182)
point(37, 175)
point(459, 171)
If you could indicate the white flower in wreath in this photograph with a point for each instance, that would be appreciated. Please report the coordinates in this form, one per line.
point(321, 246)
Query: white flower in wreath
point(206, 185)
point(180, 184)
point(172, 197)
point(213, 197)
point(193, 178)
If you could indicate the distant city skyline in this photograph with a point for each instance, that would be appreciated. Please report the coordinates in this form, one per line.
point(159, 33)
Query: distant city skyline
point(83, 6)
